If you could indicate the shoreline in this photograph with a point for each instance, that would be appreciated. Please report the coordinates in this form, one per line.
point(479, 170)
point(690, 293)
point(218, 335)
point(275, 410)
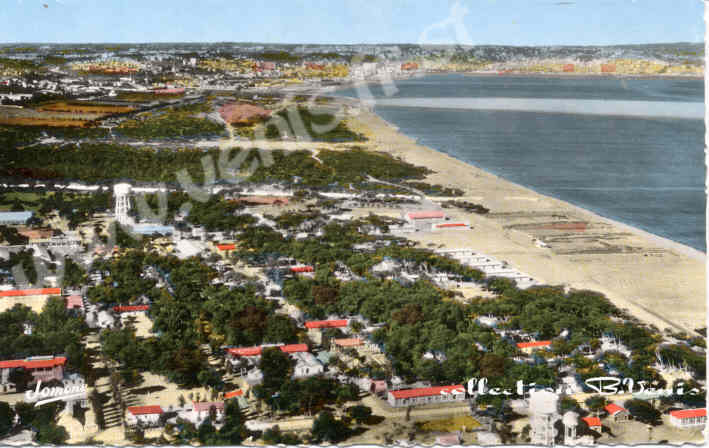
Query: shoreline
point(658, 280)
point(663, 241)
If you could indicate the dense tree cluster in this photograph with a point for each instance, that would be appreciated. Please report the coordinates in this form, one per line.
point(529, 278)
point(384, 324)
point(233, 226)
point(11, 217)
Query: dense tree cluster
point(319, 126)
point(54, 331)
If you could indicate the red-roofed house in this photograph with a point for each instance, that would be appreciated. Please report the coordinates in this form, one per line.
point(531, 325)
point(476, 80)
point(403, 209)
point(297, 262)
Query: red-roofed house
point(75, 302)
point(143, 415)
point(687, 418)
point(226, 247)
point(529, 347)
point(301, 269)
point(338, 345)
point(618, 413)
point(42, 368)
point(424, 220)
point(294, 348)
point(319, 324)
point(593, 423)
point(234, 394)
point(244, 351)
point(200, 411)
point(425, 395)
point(131, 308)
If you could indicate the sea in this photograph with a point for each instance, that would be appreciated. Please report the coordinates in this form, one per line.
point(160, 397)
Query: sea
point(628, 149)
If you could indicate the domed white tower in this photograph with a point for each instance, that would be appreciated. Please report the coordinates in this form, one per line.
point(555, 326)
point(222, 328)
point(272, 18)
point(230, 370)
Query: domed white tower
point(122, 194)
point(570, 421)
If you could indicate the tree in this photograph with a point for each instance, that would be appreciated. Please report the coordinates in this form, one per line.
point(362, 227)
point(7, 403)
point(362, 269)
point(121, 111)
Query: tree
point(326, 428)
point(276, 367)
point(643, 411)
point(596, 403)
point(567, 403)
point(6, 417)
point(360, 413)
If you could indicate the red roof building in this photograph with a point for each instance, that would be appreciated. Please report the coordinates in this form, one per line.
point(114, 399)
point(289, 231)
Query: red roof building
point(42, 368)
point(426, 395)
point(299, 269)
point(592, 422)
point(529, 346)
point(450, 224)
point(245, 351)
point(31, 292)
point(233, 394)
point(618, 413)
point(130, 308)
point(256, 351)
point(204, 406)
point(348, 342)
point(226, 247)
point(684, 418)
point(74, 302)
point(313, 324)
point(426, 215)
point(144, 410)
point(294, 348)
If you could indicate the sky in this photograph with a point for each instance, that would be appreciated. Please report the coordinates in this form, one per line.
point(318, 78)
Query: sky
point(474, 22)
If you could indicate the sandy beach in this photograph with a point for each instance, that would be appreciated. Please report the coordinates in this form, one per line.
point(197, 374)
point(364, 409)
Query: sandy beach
point(659, 281)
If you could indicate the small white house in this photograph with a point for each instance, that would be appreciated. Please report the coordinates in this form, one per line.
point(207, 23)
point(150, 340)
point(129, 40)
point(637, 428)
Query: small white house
point(146, 416)
point(306, 364)
point(200, 411)
point(687, 418)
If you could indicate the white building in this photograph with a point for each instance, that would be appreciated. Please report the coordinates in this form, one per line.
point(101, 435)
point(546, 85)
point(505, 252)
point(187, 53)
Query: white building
point(425, 395)
point(146, 416)
point(688, 418)
point(306, 364)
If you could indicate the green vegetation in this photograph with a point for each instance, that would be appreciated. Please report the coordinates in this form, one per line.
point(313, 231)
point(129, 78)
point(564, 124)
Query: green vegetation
point(43, 420)
point(172, 122)
point(233, 432)
point(100, 162)
point(6, 418)
point(337, 167)
point(18, 64)
point(10, 236)
point(216, 215)
point(55, 331)
point(317, 126)
point(467, 206)
point(194, 313)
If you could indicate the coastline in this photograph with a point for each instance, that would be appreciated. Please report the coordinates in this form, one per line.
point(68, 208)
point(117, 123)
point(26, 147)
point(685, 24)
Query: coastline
point(660, 240)
point(659, 281)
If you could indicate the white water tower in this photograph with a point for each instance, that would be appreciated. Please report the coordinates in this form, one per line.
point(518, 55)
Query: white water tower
point(122, 195)
point(543, 409)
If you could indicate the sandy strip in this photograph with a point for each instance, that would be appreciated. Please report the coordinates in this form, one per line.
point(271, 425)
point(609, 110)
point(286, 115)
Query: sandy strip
point(658, 280)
